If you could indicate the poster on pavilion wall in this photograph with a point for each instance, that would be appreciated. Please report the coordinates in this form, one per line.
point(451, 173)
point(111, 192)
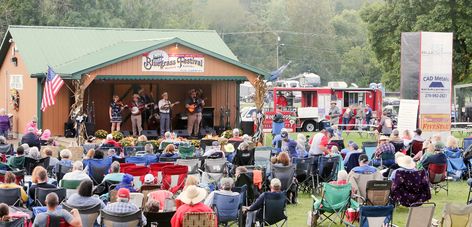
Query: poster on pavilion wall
point(161, 61)
point(435, 82)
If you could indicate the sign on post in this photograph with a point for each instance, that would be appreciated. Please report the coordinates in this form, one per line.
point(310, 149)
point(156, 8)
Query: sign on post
point(407, 115)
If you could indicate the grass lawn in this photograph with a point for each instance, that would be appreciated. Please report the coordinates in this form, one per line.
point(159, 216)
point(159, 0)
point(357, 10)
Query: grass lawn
point(297, 214)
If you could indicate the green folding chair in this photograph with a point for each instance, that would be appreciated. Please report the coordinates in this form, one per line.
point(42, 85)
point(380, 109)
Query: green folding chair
point(335, 200)
point(70, 186)
point(187, 151)
point(164, 144)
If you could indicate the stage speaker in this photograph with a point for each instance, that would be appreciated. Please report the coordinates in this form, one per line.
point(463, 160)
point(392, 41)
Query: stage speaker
point(150, 134)
point(207, 117)
point(69, 131)
point(181, 133)
point(90, 128)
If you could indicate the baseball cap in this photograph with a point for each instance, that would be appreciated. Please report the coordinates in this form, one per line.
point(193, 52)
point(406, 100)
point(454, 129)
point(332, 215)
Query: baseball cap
point(284, 135)
point(354, 146)
point(149, 178)
point(123, 193)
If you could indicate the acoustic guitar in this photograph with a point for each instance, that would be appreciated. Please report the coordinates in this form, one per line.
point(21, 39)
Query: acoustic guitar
point(192, 107)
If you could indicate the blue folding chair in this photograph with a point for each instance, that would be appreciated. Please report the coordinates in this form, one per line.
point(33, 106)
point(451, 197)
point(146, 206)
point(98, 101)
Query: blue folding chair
point(227, 209)
point(467, 143)
point(97, 169)
point(369, 148)
point(138, 160)
point(371, 216)
point(242, 194)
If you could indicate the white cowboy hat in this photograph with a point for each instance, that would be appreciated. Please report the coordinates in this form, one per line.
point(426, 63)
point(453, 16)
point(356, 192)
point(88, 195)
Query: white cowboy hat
point(193, 195)
point(383, 138)
point(406, 162)
point(229, 148)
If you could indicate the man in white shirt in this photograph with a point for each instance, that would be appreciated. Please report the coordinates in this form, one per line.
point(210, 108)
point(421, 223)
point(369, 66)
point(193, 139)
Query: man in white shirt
point(77, 172)
point(319, 143)
point(164, 106)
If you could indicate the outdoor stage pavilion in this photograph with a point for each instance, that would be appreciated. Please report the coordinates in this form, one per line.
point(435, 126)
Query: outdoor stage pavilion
point(116, 61)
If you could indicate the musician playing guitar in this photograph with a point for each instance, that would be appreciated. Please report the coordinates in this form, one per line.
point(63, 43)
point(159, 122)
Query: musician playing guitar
point(165, 106)
point(194, 107)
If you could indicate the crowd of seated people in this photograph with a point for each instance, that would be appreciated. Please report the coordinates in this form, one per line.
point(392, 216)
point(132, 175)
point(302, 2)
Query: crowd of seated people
point(198, 197)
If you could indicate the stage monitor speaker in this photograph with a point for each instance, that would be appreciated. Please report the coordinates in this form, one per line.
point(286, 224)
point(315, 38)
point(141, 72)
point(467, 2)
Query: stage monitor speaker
point(90, 128)
point(181, 133)
point(126, 133)
point(150, 134)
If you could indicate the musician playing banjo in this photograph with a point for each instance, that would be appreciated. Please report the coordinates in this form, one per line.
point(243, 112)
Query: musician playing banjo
point(194, 107)
point(137, 106)
point(165, 106)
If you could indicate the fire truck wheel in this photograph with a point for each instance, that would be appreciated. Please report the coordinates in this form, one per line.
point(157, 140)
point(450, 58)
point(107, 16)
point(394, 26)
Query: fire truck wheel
point(309, 126)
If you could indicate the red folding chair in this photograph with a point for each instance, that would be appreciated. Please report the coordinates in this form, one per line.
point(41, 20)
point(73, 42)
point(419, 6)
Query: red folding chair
point(156, 170)
point(437, 174)
point(138, 173)
point(415, 147)
point(123, 166)
point(173, 177)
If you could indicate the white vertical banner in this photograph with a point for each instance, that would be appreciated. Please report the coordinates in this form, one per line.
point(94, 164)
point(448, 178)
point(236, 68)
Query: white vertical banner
point(435, 82)
point(406, 115)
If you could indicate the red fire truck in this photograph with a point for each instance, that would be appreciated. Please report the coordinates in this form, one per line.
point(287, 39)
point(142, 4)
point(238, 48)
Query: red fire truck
point(306, 109)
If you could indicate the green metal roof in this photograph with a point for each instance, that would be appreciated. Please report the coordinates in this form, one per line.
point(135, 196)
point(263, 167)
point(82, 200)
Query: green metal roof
point(72, 51)
point(133, 77)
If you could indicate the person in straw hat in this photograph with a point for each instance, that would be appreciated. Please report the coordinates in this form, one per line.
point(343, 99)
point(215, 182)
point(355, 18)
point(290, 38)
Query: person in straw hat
point(191, 198)
point(405, 163)
point(334, 113)
point(384, 146)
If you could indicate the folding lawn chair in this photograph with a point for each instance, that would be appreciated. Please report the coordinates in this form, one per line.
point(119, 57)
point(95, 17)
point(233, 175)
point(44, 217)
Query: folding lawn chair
point(437, 175)
point(415, 147)
point(274, 210)
point(112, 220)
point(70, 186)
point(387, 159)
point(156, 170)
point(302, 172)
point(41, 193)
point(327, 170)
point(340, 143)
point(19, 175)
point(131, 150)
point(187, 151)
point(88, 214)
point(242, 194)
point(244, 158)
point(173, 177)
point(227, 209)
point(374, 216)
point(359, 182)
point(285, 174)
point(97, 169)
point(352, 161)
point(421, 216)
point(410, 188)
point(262, 156)
point(244, 181)
point(138, 160)
point(378, 192)
point(138, 173)
point(199, 219)
point(457, 215)
point(369, 148)
point(18, 222)
point(192, 165)
point(123, 166)
point(162, 219)
point(467, 143)
point(399, 146)
point(10, 196)
point(214, 170)
point(335, 200)
point(61, 170)
point(7, 149)
point(167, 159)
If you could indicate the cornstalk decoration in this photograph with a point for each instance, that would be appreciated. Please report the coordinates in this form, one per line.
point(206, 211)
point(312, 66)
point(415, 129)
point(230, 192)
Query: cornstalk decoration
point(261, 89)
point(77, 110)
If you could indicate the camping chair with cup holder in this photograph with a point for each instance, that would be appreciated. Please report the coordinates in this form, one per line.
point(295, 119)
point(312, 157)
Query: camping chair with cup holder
point(97, 169)
point(285, 174)
point(262, 156)
point(410, 187)
point(273, 210)
point(192, 164)
point(327, 170)
point(214, 170)
point(227, 209)
point(302, 172)
point(173, 177)
point(41, 193)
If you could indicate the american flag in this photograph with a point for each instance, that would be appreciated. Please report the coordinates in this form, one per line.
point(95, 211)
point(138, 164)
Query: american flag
point(53, 83)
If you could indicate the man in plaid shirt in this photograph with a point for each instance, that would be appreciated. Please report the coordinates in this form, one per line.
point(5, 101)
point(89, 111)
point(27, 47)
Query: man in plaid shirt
point(123, 206)
point(384, 146)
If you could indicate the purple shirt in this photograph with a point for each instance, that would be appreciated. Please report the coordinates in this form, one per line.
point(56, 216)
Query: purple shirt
point(4, 123)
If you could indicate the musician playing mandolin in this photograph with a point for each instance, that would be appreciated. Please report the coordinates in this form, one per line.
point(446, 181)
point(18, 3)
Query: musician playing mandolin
point(165, 106)
point(194, 107)
point(137, 106)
